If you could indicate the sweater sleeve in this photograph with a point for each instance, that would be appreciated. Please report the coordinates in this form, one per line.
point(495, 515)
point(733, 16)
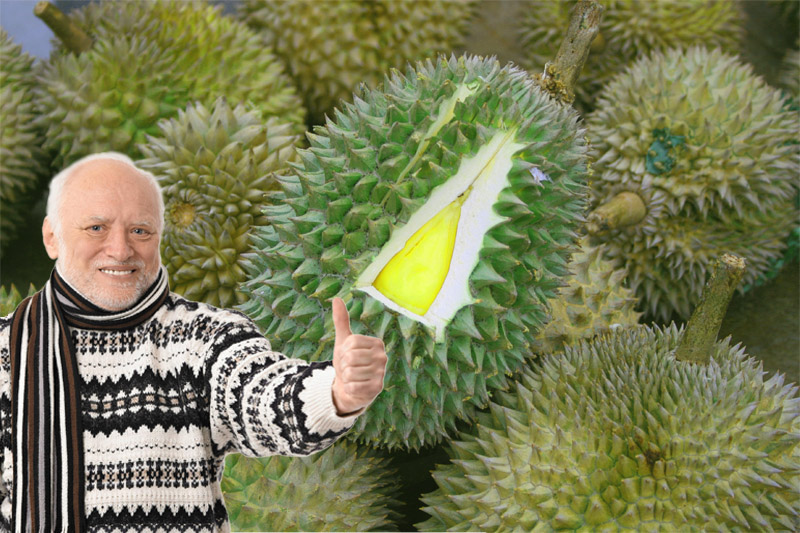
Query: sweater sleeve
point(263, 403)
point(6, 463)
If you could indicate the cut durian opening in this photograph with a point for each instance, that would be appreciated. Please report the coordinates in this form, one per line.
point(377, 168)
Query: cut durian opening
point(423, 270)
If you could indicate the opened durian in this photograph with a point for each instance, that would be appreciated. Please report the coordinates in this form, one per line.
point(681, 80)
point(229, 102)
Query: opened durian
point(149, 60)
point(628, 29)
point(592, 301)
point(615, 434)
point(23, 165)
point(10, 298)
point(344, 488)
point(214, 166)
point(442, 207)
point(695, 156)
point(329, 48)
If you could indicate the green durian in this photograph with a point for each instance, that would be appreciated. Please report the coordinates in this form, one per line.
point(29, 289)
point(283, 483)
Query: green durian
point(789, 76)
point(10, 298)
point(592, 301)
point(214, 167)
point(148, 61)
point(628, 29)
point(461, 170)
point(707, 151)
point(23, 165)
point(615, 434)
point(344, 488)
point(329, 48)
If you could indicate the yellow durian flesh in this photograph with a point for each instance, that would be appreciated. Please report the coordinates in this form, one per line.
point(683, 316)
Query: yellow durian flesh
point(414, 277)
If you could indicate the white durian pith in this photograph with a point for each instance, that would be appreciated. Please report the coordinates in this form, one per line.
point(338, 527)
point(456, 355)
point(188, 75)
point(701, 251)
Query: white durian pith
point(481, 177)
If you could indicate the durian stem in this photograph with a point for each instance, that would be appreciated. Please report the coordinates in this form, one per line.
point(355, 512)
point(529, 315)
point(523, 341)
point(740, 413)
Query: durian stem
point(74, 38)
point(625, 209)
point(561, 75)
point(703, 326)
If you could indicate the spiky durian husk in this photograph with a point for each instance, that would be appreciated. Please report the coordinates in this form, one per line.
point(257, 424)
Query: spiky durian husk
point(149, 60)
point(329, 48)
point(628, 29)
point(361, 181)
point(709, 148)
point(344, 488)
point(789, 78)
point(22, 162)
point(592, 301)
point(214, 167)
point(10, 298)
point(616, 434)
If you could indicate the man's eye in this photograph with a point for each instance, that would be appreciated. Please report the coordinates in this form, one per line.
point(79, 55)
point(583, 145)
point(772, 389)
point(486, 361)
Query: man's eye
point(141, 231)
point(96, 227)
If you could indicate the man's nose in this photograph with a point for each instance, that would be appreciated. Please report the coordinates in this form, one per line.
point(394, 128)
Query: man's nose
point(118, 245)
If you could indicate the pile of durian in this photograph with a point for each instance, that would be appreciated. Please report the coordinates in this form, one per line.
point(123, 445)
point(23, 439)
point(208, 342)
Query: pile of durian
point(529, 264)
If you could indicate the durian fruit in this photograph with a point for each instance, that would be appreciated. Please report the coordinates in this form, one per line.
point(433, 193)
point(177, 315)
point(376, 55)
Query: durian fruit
point(628, 29)
point(23, 165)
point(344, 488)
point(214, 166)
point(10, 298)
point(592, 301)
point(329, 48)
point(148, 61)
point(615, 434)
point(789, 77)
point(442, 207)
point(702, 152)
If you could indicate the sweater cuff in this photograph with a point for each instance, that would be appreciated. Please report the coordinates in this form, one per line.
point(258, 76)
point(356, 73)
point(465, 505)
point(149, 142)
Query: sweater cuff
point(317, 398)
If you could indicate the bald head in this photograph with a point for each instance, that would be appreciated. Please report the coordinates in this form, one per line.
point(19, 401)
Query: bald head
point(109, 160)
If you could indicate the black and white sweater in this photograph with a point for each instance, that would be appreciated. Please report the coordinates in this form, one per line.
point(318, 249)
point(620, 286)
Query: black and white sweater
point(162, 403)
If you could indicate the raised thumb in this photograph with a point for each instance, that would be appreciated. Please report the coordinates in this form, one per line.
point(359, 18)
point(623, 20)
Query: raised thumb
point(341, 321)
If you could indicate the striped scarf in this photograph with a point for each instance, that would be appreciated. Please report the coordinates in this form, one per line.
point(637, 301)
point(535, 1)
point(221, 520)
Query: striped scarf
point(45, 402)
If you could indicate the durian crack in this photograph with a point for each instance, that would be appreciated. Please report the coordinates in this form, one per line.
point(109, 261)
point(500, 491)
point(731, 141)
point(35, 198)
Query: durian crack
point(482, 177)
point(444, 116)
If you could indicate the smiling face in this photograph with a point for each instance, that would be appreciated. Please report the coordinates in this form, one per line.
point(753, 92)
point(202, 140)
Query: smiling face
point(108, 247)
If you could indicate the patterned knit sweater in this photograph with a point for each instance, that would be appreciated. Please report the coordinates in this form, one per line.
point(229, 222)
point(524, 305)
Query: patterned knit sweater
point(162, 403)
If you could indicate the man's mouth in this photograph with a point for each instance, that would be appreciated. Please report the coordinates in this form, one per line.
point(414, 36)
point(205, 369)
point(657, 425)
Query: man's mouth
point(117, 272)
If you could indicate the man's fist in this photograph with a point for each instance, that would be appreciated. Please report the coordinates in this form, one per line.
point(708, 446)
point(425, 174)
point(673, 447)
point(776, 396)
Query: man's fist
point(360, 364)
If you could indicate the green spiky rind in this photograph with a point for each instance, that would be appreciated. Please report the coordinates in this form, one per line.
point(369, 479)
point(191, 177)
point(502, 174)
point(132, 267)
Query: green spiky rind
point(344, 488)
point(615, 434)
point(592, 301)
point(147, 63)
point(23, 165)
point(10, 298)
point(329, 48)
point(342, 204)
point(789, 76)
point(628, 29)
point(214, 167)
point(731, 187)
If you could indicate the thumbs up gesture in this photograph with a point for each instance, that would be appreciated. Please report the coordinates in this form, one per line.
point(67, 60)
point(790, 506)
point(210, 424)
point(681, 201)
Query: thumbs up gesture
point(359, 362)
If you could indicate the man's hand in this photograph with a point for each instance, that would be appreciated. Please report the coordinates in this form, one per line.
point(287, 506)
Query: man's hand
point(360, 364)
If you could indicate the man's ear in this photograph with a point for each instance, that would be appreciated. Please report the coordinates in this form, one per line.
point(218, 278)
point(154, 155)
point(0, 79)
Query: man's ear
point(49, 239)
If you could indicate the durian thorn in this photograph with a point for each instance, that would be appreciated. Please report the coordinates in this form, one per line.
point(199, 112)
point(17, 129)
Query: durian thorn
point(71, 35)
point(563, 73)
point(625, 209)
point(703, 326)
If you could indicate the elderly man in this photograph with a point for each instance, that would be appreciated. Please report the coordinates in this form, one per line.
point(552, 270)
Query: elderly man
point(119, 399)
